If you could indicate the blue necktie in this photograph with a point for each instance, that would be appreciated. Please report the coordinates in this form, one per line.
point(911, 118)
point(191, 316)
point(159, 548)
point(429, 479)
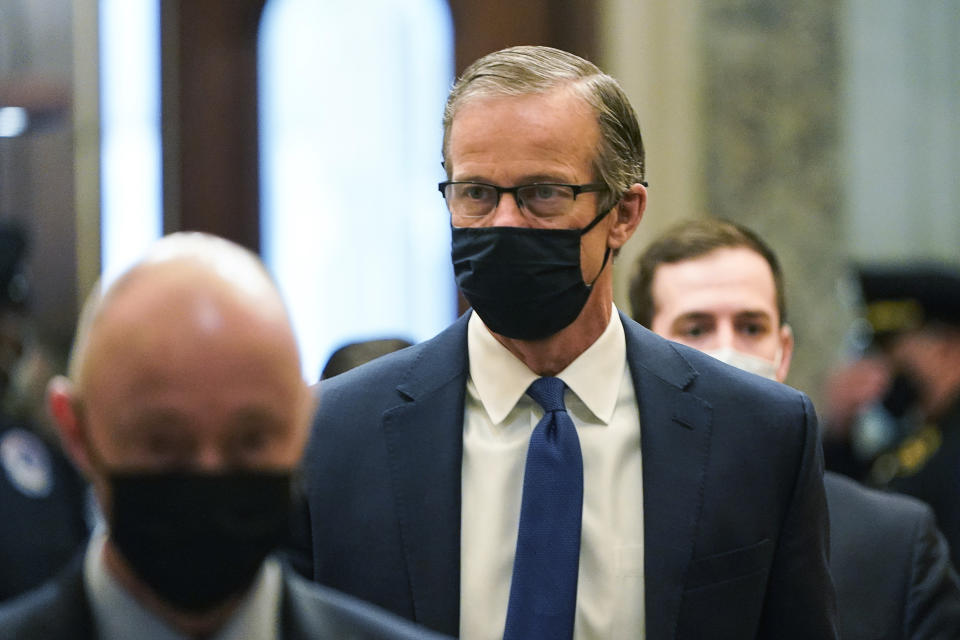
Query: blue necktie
point(543, 593)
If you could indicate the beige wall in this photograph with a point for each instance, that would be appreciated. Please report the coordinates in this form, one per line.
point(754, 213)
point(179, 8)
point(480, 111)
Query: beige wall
point(650, 46)
point(739, 107)
point(86, 144)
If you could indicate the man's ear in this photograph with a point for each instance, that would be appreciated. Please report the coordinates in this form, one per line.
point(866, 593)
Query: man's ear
point(628, 212)
point(62, 403)
point(786, 349)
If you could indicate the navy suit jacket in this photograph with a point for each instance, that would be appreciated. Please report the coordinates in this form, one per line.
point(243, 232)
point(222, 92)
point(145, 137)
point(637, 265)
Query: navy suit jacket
point(60, 610)
point(891, 566)
point(735, 520)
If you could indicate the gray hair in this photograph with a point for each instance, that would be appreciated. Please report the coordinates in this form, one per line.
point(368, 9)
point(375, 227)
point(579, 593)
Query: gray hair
point(526, 70)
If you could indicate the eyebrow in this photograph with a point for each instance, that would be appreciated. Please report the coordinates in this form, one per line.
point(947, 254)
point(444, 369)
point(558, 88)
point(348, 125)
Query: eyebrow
point(695, 315)
point(165, 419)
point(256, 416)
point(537, 178)
point(762, 315)
point(705, 315)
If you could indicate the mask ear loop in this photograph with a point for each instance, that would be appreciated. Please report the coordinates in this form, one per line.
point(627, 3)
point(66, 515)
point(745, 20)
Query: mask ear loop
point(606, 254)
point(779, 359)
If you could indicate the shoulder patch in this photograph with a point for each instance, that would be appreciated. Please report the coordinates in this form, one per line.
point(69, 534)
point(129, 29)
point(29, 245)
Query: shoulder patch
point(909, 458)
point(914, 453)
point(27, 463)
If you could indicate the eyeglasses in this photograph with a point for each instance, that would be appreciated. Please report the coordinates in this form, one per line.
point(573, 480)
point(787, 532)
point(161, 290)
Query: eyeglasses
point(542, 199)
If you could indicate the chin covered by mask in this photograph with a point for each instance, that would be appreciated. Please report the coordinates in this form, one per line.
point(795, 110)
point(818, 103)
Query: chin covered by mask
point(198, 538)
point(525, 283)
point(882, 424)
point(747, 362)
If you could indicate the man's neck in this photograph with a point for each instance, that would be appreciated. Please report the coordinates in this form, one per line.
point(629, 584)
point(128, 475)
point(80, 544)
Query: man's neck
point(193, 625)
point(551, 355)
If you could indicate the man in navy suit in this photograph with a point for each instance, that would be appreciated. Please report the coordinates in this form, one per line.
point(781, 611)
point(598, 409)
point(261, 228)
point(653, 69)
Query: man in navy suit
point(690, 527)
point(187, 411)
point(716, 286)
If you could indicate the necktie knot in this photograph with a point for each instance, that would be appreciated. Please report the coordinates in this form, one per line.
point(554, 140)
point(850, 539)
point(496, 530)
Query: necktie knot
point(548, 393)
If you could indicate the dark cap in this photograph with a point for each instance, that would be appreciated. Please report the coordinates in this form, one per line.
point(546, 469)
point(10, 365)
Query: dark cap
point(901, 298)
point(355, 354)
point(13, 250)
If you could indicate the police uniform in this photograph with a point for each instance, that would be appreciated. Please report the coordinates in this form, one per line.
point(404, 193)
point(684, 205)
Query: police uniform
point(926, 463)
point(42, 498)
point(929, 469)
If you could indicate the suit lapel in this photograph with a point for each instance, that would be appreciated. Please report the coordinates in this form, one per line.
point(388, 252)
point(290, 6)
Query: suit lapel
point(64, 606)
point(424, 437)
point(675, 428)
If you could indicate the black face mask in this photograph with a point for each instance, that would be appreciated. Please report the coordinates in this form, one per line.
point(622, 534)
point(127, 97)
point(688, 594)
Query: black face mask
point(902, 396)
point(884, 424)
point(525, 283)
point(198, 538)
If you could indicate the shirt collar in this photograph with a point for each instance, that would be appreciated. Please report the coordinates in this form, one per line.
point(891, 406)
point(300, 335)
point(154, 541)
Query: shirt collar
point(117, 614)
point(501, 379)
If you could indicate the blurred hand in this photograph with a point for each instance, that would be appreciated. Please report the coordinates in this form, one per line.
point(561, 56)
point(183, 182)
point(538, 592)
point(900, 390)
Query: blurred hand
point(851, 388)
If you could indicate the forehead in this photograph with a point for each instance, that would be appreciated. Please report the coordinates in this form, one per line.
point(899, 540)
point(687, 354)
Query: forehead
point(194, 352)
point(551, 132)
point(725, 280)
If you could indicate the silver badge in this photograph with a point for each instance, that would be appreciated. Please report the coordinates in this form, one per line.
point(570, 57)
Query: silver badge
point(27, 462)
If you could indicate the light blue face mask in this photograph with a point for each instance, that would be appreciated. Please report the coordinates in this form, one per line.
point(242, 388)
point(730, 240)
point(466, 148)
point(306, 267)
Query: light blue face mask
point(747, 362)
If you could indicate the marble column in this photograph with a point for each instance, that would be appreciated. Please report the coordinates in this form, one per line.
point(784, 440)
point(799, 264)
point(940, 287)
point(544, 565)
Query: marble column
point(771, 155)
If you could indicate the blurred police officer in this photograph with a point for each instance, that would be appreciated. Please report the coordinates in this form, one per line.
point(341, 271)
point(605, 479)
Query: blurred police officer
point(42, 498)
point(187, 410)
point(914, 312)
point(717, 287)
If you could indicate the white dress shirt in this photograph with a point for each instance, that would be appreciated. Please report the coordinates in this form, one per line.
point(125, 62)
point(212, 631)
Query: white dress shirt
point(498, 420)
point(117, 615)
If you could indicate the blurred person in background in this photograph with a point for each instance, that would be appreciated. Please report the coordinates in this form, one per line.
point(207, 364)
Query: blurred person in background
point(43, 499)
point(716, 286)
point(186, 409)
point(355, 354)
point(895, 413)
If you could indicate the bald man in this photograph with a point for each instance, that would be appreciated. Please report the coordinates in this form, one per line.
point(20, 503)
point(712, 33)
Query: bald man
point(186, 410)
point(716, 286)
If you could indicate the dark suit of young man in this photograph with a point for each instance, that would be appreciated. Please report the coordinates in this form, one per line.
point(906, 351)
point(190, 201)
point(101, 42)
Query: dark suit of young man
point(716, 286)
point(890, 565)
